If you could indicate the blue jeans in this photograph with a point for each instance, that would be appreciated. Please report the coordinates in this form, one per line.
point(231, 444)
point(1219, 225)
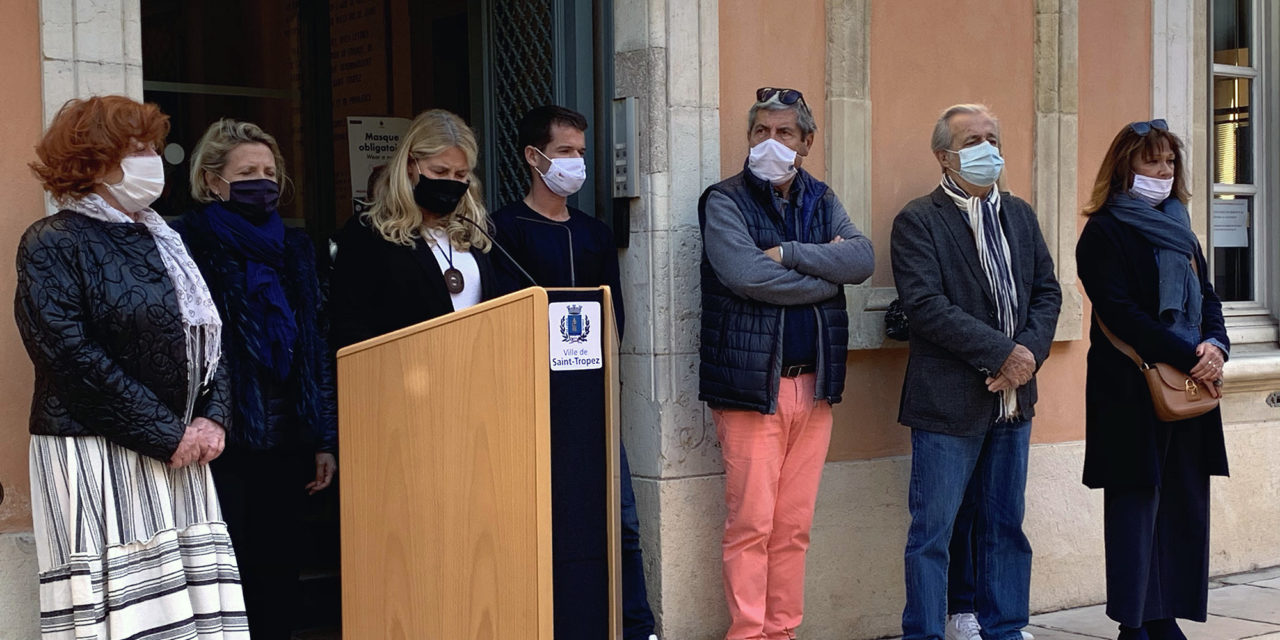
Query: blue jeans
point(941, 469)
point(637, 618)
point(962, 578)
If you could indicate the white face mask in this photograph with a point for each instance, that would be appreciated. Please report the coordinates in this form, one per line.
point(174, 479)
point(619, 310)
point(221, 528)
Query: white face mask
point(773, 161)
point(565, 175)
point(1152, 191)
point(143, 182)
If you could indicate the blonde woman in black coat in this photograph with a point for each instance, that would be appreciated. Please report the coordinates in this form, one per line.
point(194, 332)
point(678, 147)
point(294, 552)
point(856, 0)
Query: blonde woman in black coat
point(417, 253)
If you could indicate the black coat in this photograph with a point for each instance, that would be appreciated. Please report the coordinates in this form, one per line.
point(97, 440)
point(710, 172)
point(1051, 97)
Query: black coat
point(1117, 267)
point(956, 341)
point(99, 317)
point(300, 410)
point(379, 286)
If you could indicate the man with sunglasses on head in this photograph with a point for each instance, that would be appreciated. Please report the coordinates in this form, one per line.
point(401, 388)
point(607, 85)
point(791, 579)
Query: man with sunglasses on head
point(778, 248)
point(977, 284)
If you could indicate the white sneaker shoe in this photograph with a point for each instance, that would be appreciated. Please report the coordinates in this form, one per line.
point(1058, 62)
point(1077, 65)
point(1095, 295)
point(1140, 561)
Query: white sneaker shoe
point(963, 626)
point(1026, 635)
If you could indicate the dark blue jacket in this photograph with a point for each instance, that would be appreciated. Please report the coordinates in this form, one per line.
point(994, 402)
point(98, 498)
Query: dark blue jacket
point(578, 252)
point(302, 410)
point(743, 303)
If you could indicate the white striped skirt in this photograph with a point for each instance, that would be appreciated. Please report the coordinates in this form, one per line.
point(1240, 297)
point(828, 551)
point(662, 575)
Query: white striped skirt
point(129, 548)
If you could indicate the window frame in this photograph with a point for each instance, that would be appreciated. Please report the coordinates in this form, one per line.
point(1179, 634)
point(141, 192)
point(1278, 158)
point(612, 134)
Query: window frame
point(1253, 320)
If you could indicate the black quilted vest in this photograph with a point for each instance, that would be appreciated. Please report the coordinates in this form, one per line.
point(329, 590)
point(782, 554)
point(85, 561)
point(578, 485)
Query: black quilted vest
point(742, 338)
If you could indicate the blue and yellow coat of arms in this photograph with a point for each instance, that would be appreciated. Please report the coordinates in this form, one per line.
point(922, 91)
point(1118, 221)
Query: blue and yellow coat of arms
point(575, 327)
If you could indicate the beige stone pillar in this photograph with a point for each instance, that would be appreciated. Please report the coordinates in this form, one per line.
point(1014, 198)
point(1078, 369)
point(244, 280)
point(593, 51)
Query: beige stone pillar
point(667, 55)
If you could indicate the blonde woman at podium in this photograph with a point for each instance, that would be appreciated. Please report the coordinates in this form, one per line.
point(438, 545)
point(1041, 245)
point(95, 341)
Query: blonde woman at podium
point(418, 253)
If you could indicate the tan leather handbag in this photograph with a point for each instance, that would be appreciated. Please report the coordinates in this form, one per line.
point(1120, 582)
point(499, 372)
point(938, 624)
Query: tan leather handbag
point(1174, 394)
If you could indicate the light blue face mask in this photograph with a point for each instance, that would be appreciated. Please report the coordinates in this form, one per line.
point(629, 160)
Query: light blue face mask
point(980, 164)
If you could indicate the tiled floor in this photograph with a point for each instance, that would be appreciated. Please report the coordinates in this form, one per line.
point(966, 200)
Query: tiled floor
point(1241, 606)
point(1245, 605)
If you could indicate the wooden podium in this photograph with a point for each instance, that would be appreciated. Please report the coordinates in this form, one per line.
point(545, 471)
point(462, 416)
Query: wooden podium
point(453, 434)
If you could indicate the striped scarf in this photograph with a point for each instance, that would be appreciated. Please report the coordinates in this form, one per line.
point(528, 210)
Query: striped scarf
point(983, 216)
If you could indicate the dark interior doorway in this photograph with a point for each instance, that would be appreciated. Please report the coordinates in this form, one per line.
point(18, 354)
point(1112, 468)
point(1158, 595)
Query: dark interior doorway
point(299, 69)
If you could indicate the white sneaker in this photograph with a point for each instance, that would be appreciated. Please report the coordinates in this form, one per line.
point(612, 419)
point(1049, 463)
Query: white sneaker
point(963, 626)
point(1026, 635)
point(653, 637)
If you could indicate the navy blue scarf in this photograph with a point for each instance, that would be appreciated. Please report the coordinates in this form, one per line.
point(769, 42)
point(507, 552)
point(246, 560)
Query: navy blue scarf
point(262, 247)
point(1168, 229)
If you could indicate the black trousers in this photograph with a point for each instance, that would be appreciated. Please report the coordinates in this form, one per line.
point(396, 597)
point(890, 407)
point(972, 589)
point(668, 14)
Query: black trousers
point(1157, 539)
point(261, 493)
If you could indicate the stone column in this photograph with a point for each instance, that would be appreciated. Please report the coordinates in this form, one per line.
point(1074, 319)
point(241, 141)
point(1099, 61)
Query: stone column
point(1057, 122)
point(90, 47)
point(849, 152)
point(1180, 90)
point(667, 56)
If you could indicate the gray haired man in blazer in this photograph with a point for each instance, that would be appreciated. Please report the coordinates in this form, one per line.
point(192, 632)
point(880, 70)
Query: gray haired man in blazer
point(976, 282)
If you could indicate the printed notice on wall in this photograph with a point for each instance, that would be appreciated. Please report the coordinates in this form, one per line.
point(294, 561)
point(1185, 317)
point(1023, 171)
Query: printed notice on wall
point(575, 336)
point(1230, 223)
point(371, 141)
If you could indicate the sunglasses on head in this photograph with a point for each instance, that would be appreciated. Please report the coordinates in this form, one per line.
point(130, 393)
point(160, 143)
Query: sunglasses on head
point(785, 96)
point(1143, 128)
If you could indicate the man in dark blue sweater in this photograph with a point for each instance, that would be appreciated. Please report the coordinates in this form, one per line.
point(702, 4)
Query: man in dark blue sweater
point(560, 246)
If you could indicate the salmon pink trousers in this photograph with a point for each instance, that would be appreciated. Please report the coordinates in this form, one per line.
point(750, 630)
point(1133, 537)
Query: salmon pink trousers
point(773, 464)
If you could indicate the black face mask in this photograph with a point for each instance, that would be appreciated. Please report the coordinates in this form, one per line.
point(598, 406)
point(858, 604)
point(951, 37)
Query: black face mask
point(256, 200)
point(440, 197)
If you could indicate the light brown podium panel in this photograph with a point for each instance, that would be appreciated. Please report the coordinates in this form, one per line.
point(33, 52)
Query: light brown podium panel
point(445, 476)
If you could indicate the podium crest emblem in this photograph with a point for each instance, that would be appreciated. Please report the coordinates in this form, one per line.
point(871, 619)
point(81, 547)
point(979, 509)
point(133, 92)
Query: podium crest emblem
point(574, 327)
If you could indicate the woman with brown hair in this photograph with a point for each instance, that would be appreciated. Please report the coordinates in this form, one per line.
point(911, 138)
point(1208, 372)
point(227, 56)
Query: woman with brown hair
point(418, 253)
point(131, 397)
point(1145, 274)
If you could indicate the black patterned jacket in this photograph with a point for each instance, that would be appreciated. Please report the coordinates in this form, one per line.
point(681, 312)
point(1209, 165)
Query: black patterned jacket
point(99, 317)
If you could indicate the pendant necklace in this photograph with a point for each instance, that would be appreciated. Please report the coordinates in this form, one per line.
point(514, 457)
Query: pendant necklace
point(452, 277)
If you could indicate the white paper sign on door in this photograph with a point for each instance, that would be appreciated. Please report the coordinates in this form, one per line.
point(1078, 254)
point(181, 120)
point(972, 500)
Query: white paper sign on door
point(371, 141)
point(1230, 223)
point(575, 331)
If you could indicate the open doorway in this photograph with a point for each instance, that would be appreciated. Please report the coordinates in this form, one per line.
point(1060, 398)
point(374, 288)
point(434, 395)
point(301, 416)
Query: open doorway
point(299, 70)
point(302, 70)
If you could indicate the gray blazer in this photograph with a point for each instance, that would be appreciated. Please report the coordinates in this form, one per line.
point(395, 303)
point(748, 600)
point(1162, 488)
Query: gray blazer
point(956, 342)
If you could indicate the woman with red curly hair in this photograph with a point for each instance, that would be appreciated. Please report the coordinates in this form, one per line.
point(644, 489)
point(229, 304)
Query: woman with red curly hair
point(130, 397)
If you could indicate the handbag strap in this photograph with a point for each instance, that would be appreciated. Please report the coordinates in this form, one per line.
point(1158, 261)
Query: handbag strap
point(1121, 345)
